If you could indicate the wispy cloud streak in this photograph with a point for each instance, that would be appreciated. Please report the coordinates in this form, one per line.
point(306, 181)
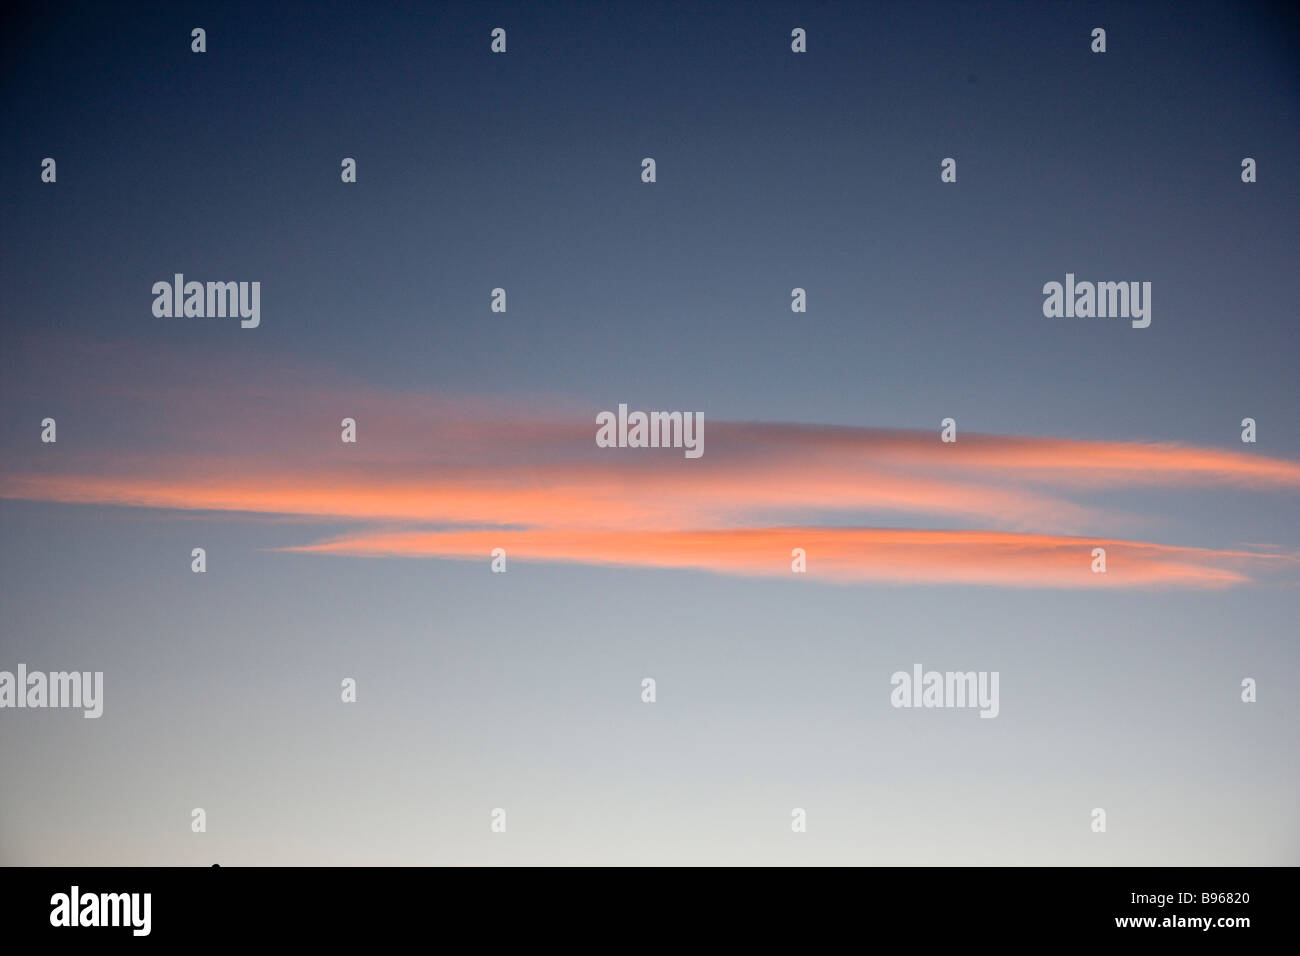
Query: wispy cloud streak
point(890, 555)
point(457, 477)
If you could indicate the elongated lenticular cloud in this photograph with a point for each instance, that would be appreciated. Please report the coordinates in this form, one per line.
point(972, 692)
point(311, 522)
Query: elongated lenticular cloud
point(598, 495)
point(503, 472)
point(452, 478)
point(891, 555)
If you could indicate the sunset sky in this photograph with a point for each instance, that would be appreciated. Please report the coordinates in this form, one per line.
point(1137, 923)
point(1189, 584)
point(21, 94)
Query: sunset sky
point(476, 431)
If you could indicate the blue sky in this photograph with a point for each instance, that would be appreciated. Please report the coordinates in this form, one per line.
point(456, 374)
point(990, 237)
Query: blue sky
point(522, 690)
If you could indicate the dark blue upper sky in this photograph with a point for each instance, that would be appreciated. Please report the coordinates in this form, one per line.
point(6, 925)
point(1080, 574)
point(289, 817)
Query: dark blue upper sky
point(774, 171)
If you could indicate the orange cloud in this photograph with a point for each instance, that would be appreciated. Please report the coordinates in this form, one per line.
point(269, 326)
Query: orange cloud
point(504, 473)
point(1098, 463)
point(891, 555)
point(426, 462)
point(593, 495)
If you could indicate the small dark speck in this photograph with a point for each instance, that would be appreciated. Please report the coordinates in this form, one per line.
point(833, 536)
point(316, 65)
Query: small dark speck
point(972, 78)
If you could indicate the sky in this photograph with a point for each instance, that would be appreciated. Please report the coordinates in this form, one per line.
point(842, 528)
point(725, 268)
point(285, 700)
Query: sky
point(476, 430)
